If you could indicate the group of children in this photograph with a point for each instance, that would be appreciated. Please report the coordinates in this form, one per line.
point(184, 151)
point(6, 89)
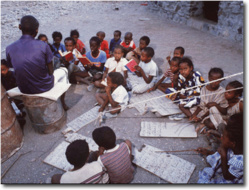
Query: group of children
point(212, 105)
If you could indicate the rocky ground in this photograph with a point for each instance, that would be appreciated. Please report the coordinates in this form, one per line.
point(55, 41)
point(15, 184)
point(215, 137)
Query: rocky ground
point(89, 17)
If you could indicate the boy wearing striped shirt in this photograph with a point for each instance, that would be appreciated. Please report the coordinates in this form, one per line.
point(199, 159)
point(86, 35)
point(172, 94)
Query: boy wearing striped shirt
point(115, 158)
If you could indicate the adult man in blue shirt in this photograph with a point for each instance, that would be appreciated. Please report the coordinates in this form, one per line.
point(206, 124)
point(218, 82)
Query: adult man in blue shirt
point(31, 60)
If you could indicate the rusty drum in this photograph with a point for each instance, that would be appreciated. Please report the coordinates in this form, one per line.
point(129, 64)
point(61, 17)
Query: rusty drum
point(46, 116)
point(11, 132)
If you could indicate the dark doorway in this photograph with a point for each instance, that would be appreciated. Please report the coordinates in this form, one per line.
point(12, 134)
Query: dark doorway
point(210, 10)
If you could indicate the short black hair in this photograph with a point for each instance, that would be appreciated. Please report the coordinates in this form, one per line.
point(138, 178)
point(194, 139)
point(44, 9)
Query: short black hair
point(118, 31)
point(181, 49)
point(29, 24)
point(236, 84)
point(70, 39)
point(149, 51)
point(41, 36)
point(95, 39)
point(4, 62)
point(77, 153)
point(146, 39)
point(216, 70)
point(56, 34)
point(234, 129)
point(176, 59)
point(104, 137)
point(117, 78)
point(118, 46)
point(100, 32)
point(188, 61)
point(128, 33)
point(74, 32)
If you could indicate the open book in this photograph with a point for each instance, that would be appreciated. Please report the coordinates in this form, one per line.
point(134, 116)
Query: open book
point(130, 65)
point(67, 55)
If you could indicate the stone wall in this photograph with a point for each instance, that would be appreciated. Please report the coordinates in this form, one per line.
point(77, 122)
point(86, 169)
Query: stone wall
point(230, 17)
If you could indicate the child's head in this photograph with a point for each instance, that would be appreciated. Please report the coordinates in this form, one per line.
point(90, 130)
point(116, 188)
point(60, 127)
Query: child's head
point(118, 52)
point(232, 136)
point(57, 37)
point(174, 64)
point(94, 44)
point(69, 44)
point(117, 35)
point(74, 34)
point(179, 52)
point(215, 74)
point(77, 153)
point(114, 79)
point(104, 137)
point(43, 38)
point(29, 25)
point(101, 35)
point(144, 42)
point(147, 54)
point(4, 67)
point(233, 94)
point(128, 38)
point(186, 67)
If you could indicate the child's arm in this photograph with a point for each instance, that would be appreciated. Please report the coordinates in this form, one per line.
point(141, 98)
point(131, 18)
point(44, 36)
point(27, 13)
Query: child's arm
point(146, 79)
point(221, 109)
point(241, 106)
point(125, 77)
point(129, 144)
point(105, 73)
point(109, 95)
point(157, 84)
point(194, 115)
point(101, 109)
point(223, 153)
point(204, 151)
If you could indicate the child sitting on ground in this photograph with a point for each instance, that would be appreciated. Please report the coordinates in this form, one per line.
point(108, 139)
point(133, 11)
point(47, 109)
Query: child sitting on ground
point(178, 52)
point(171, 73)
point(57, 37)
point(128, 43)
point(146, 72)
point(115, 94)
point(77, 154)
point(80, 46)
point(234, 105)
point(115, 158)
point(8, 81)
point(227, 163)
point(44, 38)
point(115, 64)
point(98, 59)
point(104, 43)
point(115, 41)
point(136, 53)
point(186, 79)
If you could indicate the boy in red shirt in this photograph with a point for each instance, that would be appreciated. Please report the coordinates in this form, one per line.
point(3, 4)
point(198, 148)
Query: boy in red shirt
point(104, 44)
point(128, 43)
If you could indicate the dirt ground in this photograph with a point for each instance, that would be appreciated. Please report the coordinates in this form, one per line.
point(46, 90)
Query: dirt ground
point(89, 17)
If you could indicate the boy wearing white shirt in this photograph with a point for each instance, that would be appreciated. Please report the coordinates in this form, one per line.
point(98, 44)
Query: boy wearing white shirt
point(115, 64)
point(146, 71)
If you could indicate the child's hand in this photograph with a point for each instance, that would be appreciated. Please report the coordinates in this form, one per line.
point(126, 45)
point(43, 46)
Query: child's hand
point(211, 104)
point(168, 58)
point(194, 118)
point(151, 89)
point(101, 109)
point(203, 151)
point(138, 68)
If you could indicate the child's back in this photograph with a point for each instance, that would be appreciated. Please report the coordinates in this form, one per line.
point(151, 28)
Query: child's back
point(116, 158)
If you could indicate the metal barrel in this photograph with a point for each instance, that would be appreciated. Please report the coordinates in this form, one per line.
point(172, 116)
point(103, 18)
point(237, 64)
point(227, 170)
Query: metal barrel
point(11, 132)
point(46, 116)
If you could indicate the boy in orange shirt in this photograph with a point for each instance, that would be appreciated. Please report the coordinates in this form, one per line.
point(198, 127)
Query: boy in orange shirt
point(104, 44)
